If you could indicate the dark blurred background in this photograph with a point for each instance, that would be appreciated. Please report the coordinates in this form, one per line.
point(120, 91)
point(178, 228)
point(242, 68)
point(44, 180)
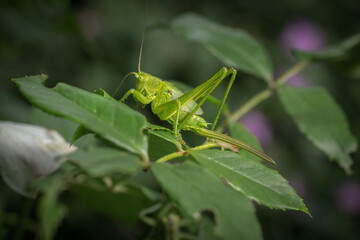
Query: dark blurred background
point(93, 44)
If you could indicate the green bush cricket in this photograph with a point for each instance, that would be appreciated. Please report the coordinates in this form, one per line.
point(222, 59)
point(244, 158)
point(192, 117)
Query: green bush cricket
point(180, 109)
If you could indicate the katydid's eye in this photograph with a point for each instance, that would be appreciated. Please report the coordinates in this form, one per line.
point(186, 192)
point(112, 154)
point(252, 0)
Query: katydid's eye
point(141, 77)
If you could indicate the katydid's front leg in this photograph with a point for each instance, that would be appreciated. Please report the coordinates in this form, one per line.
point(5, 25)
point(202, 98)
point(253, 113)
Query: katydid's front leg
point(138, 95)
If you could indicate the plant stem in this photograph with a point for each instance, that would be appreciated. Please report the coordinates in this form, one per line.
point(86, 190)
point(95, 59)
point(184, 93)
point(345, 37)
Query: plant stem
point(254, 101)
point(290, 73)
point(171, 156)
point(263, 95)
point(184, 153)
point(146, 162)
point(204, 146)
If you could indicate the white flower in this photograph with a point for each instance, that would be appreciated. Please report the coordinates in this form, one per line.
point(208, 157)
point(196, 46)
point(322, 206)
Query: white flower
point(28, 152)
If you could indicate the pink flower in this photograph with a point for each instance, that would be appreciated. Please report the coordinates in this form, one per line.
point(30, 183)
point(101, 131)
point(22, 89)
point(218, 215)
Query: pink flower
point(302, 34)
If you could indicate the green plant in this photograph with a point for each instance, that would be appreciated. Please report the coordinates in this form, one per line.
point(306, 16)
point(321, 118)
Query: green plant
point(191, 200)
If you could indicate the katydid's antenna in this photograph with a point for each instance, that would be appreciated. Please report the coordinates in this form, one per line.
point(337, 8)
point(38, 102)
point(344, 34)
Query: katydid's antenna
point(141, 47)
point(115, 92)
point(142, 37)
point(121, 82)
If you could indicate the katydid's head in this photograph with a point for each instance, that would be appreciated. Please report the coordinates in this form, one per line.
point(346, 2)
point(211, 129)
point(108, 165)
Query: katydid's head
point(141, 79)
point(142, 76)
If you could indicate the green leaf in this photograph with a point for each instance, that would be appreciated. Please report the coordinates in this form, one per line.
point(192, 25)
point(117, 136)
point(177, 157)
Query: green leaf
point(125, 205)
point(238, 131)
point(164, 133)
point(100, 162)
point(337, 52)
point(64, 126)
point(51, 211)
point(195, 189)
point(253, 179)
point(79, 132)
point(322, 120)
point(111, 120)
point(205, 230)
point(234, 47)
point(159, 147)
point(161, 141)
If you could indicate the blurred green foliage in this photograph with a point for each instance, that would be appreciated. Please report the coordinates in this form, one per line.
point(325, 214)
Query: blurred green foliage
point(93, 44)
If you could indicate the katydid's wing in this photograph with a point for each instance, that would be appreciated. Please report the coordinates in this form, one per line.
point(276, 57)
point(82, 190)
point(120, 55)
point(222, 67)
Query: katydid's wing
point(222, 137)
point(176, 93)
point(166, 110)
point(185, 88)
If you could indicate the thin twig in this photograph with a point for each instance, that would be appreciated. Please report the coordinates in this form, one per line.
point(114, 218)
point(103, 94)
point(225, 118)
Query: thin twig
point(263, 95)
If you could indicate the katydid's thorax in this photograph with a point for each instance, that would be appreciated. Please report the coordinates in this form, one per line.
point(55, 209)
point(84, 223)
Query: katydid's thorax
point(149, 85)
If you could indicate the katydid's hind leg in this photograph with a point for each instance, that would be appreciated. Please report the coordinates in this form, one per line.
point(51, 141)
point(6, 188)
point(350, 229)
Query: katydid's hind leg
point(231, 71)
point(138, 95)
point(176, 124)
point(168, 109)
point(176, 129)
point(208, 88)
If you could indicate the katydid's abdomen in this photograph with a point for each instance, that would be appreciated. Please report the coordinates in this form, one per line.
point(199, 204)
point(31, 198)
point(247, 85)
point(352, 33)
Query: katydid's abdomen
point(167, 92)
